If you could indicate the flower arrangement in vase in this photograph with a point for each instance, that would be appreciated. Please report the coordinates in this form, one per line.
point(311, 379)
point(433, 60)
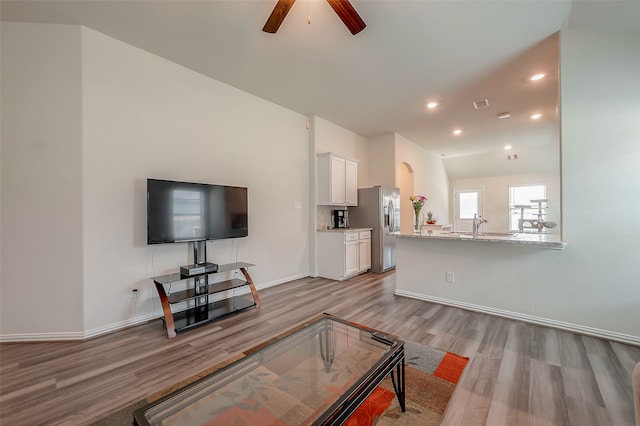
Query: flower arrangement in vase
point(418, 202)
point(430, 219)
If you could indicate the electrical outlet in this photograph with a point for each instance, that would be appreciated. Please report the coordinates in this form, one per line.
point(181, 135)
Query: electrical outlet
point(450, 277)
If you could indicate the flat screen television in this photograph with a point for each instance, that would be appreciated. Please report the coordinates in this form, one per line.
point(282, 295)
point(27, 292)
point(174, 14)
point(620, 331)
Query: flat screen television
point(186, 211)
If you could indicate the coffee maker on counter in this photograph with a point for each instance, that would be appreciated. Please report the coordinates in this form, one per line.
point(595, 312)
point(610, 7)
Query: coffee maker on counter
point(340, 218)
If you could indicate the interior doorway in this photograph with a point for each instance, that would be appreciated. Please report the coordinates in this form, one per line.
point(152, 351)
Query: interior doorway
point(405, 183)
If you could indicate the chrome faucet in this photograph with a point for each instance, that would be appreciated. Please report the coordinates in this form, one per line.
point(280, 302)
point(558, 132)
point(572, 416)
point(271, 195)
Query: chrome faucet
point(477, 223)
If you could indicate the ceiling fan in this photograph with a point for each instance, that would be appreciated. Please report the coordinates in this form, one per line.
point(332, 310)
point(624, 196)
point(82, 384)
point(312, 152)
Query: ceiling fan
point(343, 9)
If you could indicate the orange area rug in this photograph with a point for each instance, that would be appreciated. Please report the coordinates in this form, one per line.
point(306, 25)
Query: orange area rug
point(427, 395)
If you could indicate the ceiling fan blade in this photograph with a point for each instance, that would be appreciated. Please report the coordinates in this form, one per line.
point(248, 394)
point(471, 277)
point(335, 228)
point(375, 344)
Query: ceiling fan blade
point(348, 14)
point(277, 16)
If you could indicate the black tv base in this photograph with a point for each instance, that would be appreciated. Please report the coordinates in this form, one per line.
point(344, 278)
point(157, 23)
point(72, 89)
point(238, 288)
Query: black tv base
point(204, 301)
point(198, 269)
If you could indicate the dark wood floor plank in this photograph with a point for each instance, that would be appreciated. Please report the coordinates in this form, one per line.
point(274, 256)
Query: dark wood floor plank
point(613, 380)
point(518, 374)
point(581, 413)
point(474, 392)
point(470, 337)
point(546, 346)
point(495, 336)
point(577, 375)
point(510, 403)
point(547, 402)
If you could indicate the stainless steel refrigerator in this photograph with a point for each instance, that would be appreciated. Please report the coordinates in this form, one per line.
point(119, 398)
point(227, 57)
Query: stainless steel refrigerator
point(379, 208)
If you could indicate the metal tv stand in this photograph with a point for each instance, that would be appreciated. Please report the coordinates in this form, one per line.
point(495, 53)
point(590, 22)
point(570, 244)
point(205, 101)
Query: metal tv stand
point(202, 302)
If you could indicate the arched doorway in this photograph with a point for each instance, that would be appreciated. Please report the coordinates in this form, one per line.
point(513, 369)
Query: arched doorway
point(405, 183)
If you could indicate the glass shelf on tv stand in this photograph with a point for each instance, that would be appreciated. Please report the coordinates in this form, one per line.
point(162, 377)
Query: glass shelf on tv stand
point(204, 310)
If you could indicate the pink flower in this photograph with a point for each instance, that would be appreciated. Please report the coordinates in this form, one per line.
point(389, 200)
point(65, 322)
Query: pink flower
point(418, 201)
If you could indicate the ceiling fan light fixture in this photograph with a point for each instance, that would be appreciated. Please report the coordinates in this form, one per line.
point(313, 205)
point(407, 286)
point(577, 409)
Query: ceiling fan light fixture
point(348, 15)
point(343, 9)
point(278, 14)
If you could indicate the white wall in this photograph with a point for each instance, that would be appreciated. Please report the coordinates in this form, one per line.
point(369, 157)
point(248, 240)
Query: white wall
point(430, 180)
point(537, 159)
point(141, 116)
point(600, 85)
point(382, 151)
point(496, 198)
point(329, 137)
point(592, 285)
point(42, 257)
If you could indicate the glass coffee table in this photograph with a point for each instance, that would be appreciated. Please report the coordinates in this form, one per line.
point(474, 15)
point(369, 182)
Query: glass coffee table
point(316, 374)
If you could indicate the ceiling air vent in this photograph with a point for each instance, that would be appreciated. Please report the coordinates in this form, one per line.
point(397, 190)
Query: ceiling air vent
point(481, 103)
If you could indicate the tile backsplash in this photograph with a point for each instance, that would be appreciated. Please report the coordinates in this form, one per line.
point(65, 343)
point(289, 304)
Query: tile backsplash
point(323, 216)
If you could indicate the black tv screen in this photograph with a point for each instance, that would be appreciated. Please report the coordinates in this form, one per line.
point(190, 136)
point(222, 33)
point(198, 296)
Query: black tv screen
point(184, 211)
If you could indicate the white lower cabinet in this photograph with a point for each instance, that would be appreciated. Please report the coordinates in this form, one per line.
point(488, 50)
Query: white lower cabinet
point(351, 253)
point(343, 254)
point(364, 252)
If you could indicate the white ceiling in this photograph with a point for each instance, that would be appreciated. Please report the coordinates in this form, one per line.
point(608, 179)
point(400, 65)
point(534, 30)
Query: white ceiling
point(378, 81)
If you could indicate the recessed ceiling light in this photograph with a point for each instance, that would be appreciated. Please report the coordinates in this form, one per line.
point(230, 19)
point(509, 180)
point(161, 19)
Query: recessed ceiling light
point(432, 105)
point(457, 132)
point(507, 147)
point(536, 116)
point(537, 77)
point(504, 115)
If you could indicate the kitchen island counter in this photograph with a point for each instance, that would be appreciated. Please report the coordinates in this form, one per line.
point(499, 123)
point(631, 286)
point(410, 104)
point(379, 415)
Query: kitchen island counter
point(343, 230)
point(529, 239)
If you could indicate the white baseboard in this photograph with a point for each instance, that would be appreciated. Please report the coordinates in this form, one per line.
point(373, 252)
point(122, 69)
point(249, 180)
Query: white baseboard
point(282, 281)
point(109, 328)
point(574, 328)
point(41, 337)
point(77, 335)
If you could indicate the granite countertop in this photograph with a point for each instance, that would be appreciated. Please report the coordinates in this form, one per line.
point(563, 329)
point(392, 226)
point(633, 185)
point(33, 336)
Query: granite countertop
point(343, 230)
point(541, 240)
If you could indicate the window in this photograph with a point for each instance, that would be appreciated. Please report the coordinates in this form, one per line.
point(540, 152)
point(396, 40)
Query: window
point(521, 205)
point(468, 205)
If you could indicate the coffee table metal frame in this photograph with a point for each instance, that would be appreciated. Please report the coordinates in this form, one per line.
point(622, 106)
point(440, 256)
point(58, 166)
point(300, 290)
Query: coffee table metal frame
point(391, 363)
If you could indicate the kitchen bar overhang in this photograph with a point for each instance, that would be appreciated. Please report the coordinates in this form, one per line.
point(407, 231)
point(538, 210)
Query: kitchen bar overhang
point(544, 241)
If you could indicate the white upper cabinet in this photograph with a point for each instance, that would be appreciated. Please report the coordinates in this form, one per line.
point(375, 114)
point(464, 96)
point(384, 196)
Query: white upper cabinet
point(337, 180)
point(351, 182)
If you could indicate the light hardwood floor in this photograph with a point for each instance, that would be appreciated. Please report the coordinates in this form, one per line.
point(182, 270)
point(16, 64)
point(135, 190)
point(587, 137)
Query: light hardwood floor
point(518, 374)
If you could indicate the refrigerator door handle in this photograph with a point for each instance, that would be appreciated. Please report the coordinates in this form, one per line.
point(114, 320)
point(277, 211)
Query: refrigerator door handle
point(392, 216)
